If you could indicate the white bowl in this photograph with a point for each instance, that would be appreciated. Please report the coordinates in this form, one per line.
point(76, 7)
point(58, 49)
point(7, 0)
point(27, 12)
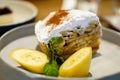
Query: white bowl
point(23, 12)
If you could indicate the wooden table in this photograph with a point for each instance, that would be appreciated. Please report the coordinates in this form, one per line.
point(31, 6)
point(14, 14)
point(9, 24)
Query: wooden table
point(45, 7)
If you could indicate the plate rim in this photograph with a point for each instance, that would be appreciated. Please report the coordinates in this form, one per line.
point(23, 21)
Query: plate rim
point(26, 4)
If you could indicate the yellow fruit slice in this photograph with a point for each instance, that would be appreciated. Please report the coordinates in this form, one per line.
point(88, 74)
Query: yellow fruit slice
point(78, 64)
point(29, 59)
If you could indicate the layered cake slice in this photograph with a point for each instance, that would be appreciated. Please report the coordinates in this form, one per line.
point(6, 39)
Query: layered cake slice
point(6, 15)
point(77, 28)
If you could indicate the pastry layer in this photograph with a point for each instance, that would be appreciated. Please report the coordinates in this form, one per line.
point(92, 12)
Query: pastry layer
point(73, 40)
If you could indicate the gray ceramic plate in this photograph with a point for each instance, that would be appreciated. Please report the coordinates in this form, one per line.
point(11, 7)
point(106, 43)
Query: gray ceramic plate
point(105, 64)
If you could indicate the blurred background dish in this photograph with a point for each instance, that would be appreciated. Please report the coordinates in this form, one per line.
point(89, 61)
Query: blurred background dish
point(114, 21)
point(22, 12)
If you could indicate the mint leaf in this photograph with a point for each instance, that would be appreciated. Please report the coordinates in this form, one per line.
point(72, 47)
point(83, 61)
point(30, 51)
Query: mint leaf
point(56, 40)
point(51, 69)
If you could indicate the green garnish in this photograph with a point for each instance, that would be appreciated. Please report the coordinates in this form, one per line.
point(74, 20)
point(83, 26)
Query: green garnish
point(51, 68)
point(55, 40)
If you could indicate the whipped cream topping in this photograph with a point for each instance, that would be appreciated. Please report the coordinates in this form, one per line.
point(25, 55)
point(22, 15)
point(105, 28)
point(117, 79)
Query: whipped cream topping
point(69, 20)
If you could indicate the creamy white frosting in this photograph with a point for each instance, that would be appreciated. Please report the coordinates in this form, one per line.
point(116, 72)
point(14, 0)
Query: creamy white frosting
point(70, 22)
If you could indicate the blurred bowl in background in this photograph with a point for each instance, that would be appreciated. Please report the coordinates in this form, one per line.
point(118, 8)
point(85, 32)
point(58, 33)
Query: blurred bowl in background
point(114, 21)
point(23, 12)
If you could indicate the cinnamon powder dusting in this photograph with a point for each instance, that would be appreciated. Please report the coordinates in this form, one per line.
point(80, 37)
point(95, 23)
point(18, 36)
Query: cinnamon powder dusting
point(56, 19)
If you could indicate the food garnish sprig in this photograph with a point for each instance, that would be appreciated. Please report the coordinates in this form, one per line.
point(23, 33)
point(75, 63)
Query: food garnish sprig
point(52, 67)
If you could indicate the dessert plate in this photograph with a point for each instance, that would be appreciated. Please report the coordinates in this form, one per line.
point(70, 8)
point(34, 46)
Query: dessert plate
point(23, 12)
point(105, 64)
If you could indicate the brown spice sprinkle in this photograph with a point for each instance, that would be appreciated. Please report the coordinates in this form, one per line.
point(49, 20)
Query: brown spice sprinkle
point(56, 19)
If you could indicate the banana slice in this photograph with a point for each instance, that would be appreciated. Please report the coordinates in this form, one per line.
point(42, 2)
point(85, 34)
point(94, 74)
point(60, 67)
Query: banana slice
point(29, 59)
point(78, 64)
